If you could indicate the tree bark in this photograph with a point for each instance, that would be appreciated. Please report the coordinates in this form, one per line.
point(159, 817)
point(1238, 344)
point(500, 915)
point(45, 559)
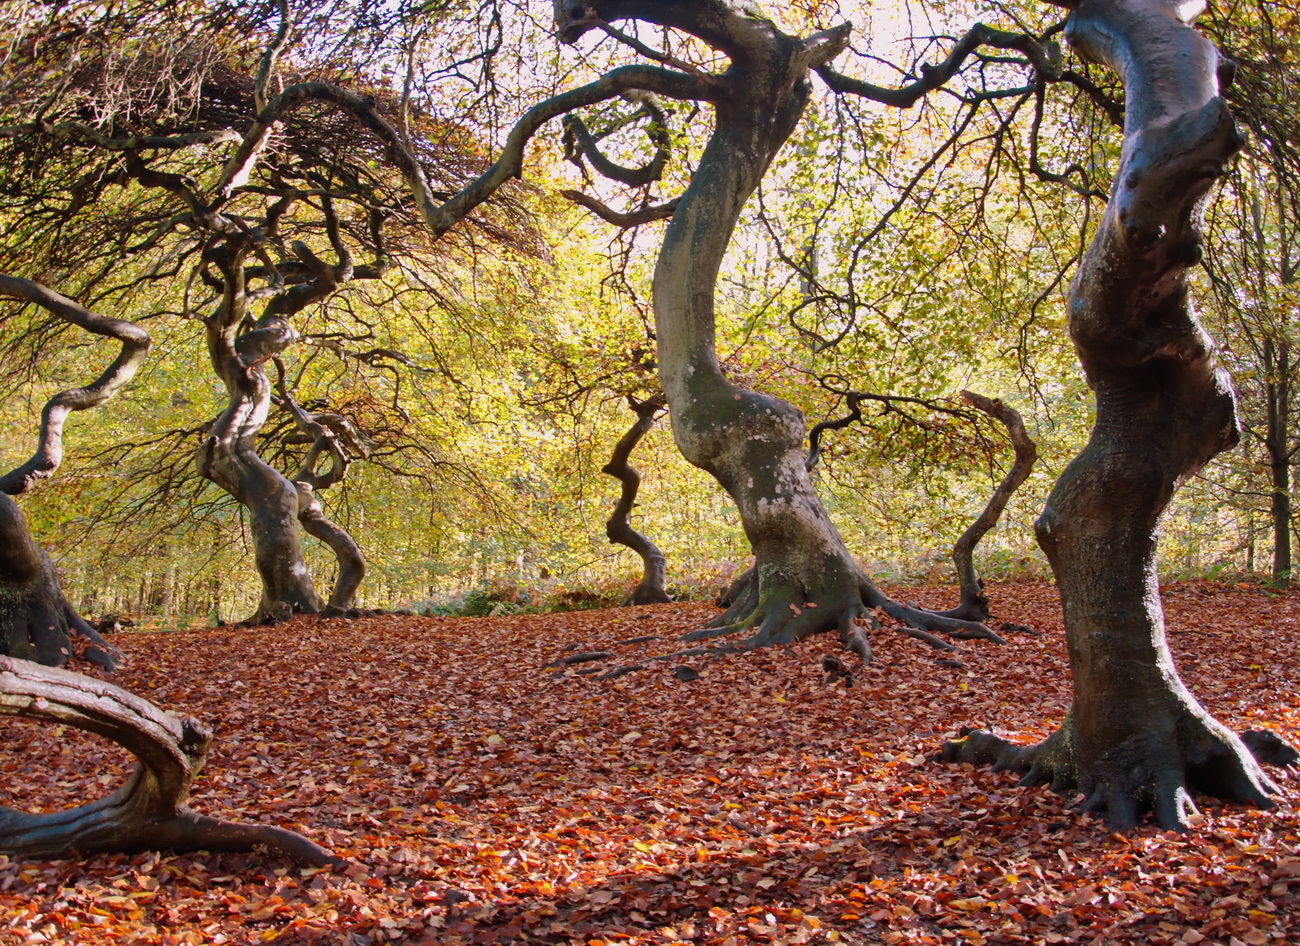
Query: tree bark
point(148, 812)
point(652, 588)
point(752, 443)
point(228, 457)
point(974, 605)
point(1135, 740)
point(329, 434)
point(806, 581)
point(36, 621)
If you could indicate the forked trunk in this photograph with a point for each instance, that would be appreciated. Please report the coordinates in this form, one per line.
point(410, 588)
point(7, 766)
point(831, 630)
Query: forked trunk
point(228, 457)
point(332, 436)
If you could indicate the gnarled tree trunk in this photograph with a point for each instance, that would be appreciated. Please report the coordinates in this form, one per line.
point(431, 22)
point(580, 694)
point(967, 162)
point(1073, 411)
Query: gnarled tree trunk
point(974, 605)
point(651, 589)
point(228, 457)
point(805, 580)
point(331, 435)
point(1135, 740)
point(148, 812)
point(228, 454)
point(36, 620)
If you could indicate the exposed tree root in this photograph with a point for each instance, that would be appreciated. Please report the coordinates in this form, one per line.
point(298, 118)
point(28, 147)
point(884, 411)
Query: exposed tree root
point(149, 811)
point(36, 621)
point(788, 612)
point(1152, 773)
point(786, 615)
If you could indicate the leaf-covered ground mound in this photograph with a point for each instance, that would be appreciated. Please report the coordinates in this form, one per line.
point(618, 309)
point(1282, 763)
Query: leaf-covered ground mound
point(481, 798)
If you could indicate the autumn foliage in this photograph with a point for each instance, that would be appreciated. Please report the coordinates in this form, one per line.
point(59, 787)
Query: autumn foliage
point(480, 798)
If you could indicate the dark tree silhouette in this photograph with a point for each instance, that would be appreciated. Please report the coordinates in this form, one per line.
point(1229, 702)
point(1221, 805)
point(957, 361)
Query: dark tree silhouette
point(652, 588)
point(36, 620)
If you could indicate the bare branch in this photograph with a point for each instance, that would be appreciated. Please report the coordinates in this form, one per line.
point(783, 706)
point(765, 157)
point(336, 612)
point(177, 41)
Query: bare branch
point(633, 218)
point(1045, 59)
point(135, 345)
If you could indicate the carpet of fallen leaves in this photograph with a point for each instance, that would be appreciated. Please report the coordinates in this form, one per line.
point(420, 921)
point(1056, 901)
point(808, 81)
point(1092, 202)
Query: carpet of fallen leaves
point(481, 798)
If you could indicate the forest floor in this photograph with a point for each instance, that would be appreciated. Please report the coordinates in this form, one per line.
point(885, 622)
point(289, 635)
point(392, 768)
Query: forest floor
point(482, 798)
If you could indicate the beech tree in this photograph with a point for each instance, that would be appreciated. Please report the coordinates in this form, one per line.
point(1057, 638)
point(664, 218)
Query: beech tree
point(1135, 740)
point(973, 604)
point(156, 194)
point(805, 581)
point(36, 620)
point(652, 588)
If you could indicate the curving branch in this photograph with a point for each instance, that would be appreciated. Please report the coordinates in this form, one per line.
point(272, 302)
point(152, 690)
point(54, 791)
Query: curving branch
point(80, 131)
point(149, 812)
point(135, 345)
point(626, 221)
point(1044, 57)
point(854, 401)
point(651, 589)
point(580, 143)
point(1135, 740)
point(974, 604)
point(442, 216)
point(36, 620)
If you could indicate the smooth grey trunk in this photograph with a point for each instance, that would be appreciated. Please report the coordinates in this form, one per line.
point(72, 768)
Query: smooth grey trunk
point(1277, 443)
point(1135, 740)
point(804, 579)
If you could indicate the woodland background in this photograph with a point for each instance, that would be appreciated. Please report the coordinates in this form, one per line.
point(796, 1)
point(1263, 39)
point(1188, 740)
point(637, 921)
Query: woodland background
point(938, 259)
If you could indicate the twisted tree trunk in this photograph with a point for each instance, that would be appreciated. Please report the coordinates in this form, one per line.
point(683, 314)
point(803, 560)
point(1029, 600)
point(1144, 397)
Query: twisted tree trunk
point(805, 579)
point(331, 435)
point(228, 457)
point(974, 605)
point(1135, 740)
point(651, 589)
point(36, 620)
point(228, 454)
point(148, 812)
